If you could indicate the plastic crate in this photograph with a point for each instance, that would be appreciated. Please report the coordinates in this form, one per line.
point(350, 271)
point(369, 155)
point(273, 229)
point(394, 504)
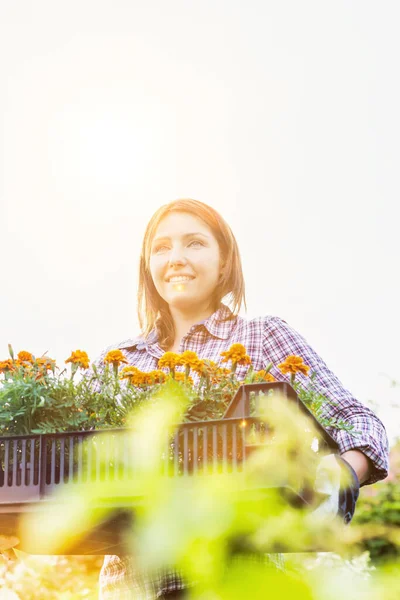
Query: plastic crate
point(34, 467)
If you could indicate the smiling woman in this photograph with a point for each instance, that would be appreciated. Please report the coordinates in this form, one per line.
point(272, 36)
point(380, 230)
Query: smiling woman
point(189, 264)
point(186, 269)
point(190, 261)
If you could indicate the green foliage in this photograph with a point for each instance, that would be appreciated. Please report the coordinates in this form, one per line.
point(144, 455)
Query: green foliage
point(216, 529)
point(316, 402)
point(381, 509)
point(57, 403)
point(48, 401)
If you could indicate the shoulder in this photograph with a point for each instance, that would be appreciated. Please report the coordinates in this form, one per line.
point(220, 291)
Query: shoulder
point(264, 324)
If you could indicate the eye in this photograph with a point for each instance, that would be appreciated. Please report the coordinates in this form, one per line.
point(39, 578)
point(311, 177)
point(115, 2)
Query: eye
point(160, 248)
point(196, 242)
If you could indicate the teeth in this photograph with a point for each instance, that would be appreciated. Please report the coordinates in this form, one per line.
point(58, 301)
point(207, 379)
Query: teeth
point(179, 278)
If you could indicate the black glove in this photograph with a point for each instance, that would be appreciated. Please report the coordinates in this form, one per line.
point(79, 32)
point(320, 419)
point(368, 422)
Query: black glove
point(338, 481)
point(349, 490)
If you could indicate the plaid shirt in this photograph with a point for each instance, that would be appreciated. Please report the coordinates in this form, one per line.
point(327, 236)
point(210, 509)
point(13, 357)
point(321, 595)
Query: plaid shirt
point(266, 339)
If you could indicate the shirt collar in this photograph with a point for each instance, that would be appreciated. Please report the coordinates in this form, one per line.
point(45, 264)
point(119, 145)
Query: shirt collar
point(219, 325)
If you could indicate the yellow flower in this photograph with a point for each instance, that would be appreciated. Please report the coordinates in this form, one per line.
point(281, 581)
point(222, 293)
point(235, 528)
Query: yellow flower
point(155, 377)
point(294, 364)
point(210, 365)
point(127, 372)
point(45, 363)
point(263, 376)
point(219, 374)
point(237, 354)
point(181, 377)
point(133, 375)
point(191, 360)
point(80, 358)
point(137, 377)
point(6, 365)
point(25, 356)
point(115, 357)
point(169, 360)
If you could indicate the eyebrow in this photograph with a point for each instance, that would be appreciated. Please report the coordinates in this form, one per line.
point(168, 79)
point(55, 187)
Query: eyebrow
point(186, 235)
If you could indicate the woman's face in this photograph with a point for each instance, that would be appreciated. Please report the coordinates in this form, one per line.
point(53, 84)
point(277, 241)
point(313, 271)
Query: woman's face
point(185, 262)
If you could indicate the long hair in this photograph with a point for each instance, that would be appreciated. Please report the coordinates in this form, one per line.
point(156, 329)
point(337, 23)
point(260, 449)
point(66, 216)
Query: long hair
point(153, 311)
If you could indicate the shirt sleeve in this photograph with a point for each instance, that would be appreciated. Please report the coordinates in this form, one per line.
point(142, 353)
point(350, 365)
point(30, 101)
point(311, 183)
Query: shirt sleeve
point(280, 341)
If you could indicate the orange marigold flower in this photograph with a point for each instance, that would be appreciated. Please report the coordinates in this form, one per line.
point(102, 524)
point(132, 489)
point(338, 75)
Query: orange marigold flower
point(191, 360)
point(210, 365)
point(219, 374)
point(237, 354)
point(294, 364)
point(138, 378)
point(156, 377)
point(128, 372)
point(6, 365)
point(263, 376)
point(169, 360)
point(115, 357)
point(25, 356)
point(207, 367)
point(26, 367)
point(80, 358)
point(47, 364)
point(179, 376)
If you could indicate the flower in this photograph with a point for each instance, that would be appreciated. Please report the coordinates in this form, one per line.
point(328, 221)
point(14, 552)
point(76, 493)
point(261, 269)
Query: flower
point(127, 372)
point(25, 356)
point(6, 365)
point(179, 376)
point(115, 357)
point(46, 364)
point(169, 360)
point(79, 358)
point(137, 377)
point(210, 365)
point(219, 375)
point(191, 360)
point(156, 376)
point(263, 376)
point(237, 354)
point(133, 374)
point(294, 364)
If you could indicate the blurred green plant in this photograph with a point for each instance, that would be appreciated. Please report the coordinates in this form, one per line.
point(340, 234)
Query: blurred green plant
point(216, 529)
point(381, 508)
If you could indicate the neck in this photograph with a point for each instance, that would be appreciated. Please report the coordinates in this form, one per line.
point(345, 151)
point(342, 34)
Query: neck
point(184, 321)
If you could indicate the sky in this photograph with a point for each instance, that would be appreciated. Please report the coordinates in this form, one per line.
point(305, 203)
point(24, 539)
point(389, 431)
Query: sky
point(281, 115)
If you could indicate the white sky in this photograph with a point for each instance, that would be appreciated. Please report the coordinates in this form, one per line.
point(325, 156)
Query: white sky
point(282, 115)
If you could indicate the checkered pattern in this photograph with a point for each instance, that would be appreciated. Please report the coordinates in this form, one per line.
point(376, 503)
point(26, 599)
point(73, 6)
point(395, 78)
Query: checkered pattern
point(267, 339)
point(120, 580)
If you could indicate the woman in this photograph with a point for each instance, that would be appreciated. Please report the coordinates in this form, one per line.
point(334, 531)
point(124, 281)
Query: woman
point(189, 263)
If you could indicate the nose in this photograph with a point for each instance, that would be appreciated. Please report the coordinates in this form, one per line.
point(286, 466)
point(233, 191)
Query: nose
point(177, 256)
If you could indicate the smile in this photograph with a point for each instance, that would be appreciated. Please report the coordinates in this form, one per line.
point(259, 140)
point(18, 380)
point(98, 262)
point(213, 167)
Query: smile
point(180, 278)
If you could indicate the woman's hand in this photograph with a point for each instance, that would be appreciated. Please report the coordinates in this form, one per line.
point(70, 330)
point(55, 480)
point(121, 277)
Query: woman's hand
point(338, 481)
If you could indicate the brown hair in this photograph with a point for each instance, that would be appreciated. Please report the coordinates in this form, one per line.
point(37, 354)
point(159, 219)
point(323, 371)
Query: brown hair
point(153, 311)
